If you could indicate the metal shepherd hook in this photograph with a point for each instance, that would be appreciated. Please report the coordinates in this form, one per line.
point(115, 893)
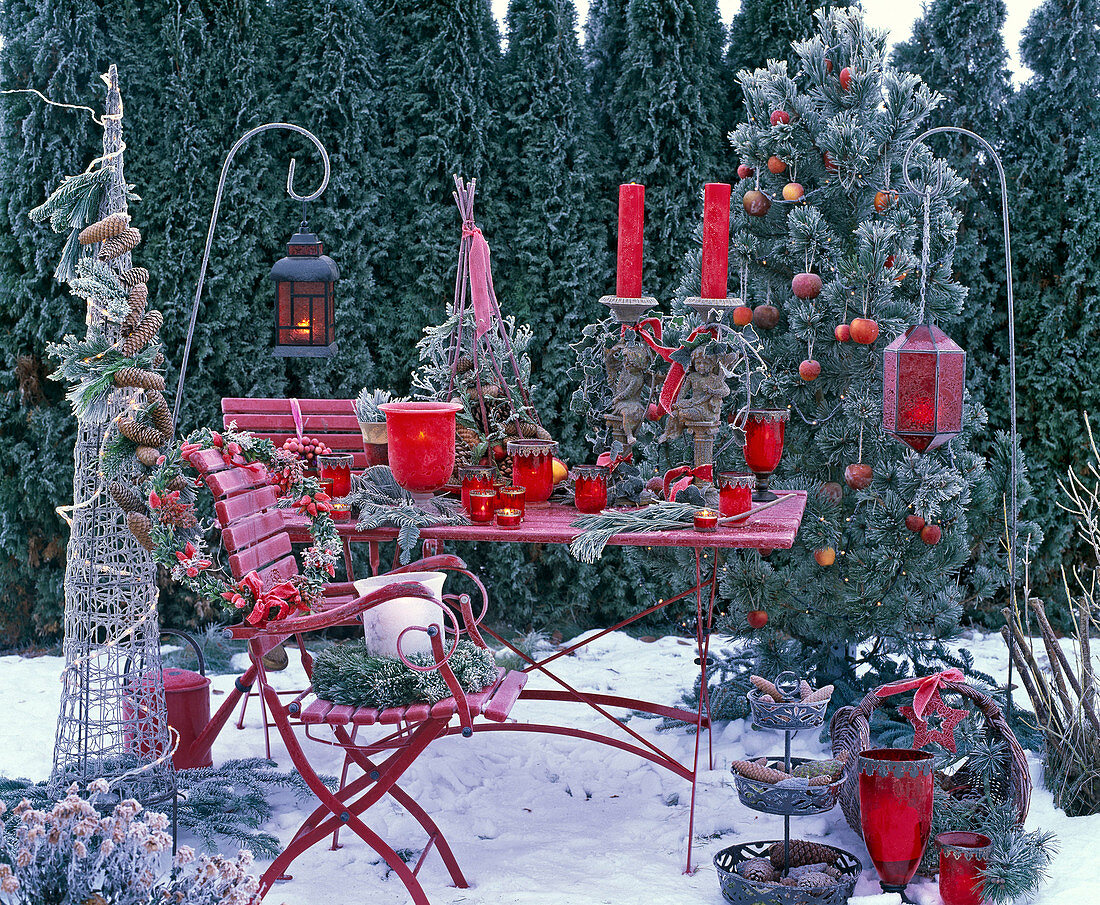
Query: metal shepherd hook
point(290, 127)
point(1014, 539)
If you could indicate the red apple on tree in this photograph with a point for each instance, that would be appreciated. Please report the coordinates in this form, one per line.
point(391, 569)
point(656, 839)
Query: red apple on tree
point(931, 534)
point(825, 556)
point(742, 315)
point(792, 191)
point(858, 476)
point(864, 330)
point(806, 285)
point(780, 116)
point(757, 618)
point(756, 203)
point(809, 370)
point(843, 333)
point(914, 523)
point(846, 78)
point(765, 316)
point(776, 165)
point(744, 171)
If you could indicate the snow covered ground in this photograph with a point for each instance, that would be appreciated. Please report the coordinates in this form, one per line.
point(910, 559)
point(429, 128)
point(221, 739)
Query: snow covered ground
point(536, 819)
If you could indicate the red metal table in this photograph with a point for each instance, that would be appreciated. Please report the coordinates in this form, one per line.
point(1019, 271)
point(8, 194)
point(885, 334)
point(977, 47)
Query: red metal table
point(772, 528)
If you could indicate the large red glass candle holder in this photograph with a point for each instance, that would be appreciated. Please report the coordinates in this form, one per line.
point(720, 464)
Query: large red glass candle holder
point(421, 441)
point(590, 487)
point(895, 810)
point(482, 505)
point(336, 467)
point(923, 375)
point(533, 468)
point(473, 478)
point(734, 493)
point(764, 430)
point(962, 860)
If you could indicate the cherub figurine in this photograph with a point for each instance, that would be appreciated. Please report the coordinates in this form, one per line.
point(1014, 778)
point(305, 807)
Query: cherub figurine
point(701, 393)
point(628, 367)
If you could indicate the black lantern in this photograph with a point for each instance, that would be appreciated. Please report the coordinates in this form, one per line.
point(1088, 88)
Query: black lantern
point(305, 318)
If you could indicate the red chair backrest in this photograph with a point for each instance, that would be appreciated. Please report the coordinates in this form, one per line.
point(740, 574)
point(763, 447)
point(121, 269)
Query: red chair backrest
point(332, 421)
point(253, 531)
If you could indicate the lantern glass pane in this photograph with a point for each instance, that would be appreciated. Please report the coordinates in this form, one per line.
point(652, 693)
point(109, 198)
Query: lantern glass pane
point(916, 387)
point(952, 378)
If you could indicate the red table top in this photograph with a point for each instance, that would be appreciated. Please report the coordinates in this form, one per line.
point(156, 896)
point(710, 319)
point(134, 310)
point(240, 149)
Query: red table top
point(773, 528)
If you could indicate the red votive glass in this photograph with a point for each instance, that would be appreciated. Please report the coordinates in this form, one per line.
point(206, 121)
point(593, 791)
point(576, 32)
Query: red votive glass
point(473, 478)
point(706, 520)
point(764, 430)
point(734, 493)
point(336, 467)
point(420, 437)
point(962, 860)
point(590, 487)
point(512, 498)
point(533, 468)
point(482, 505)
point(509, 518)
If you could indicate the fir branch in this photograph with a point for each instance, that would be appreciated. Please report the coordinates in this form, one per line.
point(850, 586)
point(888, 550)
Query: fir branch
point(74, 202)
point(598, 529)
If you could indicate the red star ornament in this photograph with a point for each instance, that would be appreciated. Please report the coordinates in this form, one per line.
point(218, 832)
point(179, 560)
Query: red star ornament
point(923, 734)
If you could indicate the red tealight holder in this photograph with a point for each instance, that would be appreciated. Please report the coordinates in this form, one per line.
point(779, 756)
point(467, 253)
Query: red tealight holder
point(590, 487)
point(336, 467)
point(764, 429)
point(473, 478)
point(734, 493)
point(895, 811)
point(512, 498)
point(533, 468)
point(509, 518)
point(420, 437)
point(962, 860)
point(482, 505)
point(706, 520)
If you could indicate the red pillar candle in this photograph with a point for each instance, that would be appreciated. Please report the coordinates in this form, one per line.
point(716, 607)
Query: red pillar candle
point(716, 240)
point(628, 281)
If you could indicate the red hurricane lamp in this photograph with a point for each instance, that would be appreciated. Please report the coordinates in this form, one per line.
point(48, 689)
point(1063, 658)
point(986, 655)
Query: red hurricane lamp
point(924, 372)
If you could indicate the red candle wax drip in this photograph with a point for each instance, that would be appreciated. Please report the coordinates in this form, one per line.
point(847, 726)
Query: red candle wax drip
point(628, 280)
point(716, 240)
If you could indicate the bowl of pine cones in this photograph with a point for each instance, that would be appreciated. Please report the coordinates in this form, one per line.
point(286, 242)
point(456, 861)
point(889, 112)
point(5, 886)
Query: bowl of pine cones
point(810, 786)
point(787, 705)
point(758, 873)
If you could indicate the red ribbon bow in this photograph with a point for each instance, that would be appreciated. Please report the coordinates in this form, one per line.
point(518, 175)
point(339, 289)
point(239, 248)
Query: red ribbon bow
point(926, 687)
point(681, 477)
point(674, 379)
point(604, 458)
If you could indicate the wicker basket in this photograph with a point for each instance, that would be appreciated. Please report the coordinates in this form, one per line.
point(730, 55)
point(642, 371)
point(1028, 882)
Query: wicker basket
point(850, 732)
point(766, 797)
point(741, 891)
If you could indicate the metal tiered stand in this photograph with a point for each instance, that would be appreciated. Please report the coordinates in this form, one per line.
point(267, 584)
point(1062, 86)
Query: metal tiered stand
point(790, 716)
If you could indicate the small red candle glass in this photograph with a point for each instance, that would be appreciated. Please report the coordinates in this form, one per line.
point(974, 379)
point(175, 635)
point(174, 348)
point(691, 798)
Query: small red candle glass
point(512, 498)
point(734, 493)
point(482, 505)
point(764, 431)
point(895, 810)
point(509, 518)
point(590, 487)
point(706, 520)
point(473, 478)
point(962, 860)
point(533, 468)
point(420, 437)
point(336, 467)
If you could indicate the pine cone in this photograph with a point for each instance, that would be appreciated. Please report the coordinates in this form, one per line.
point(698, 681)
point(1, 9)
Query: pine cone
point(829, 769)
point(139, 378)
point(148, 455)
point(528, 430)
point(143, 334)
point(491, 391)
point(130, 323)
point(815, 880)
point(162, 417)
point(759, 870)
point(130, 278)
point(805, 689)
point(114, 247)
point(767, 689)
point(138, 298)
point(179, 482)
point(760, 773)
point(141, 434)
point(140, 526)
point(127, 500)
point(802, 852)
point(159, 360)
point(471, 438)
point(465, 363)
point(542, 433)
point(504, 468)
point(103, 229)
point(822, 694)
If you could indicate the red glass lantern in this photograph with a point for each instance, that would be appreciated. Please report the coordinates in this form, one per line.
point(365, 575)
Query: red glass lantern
point(923, 373)
point(962, 860)
point(305, 318)
point(421, 441)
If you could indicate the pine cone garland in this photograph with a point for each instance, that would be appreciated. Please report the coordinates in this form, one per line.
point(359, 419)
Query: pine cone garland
point(116, 246)
point(139, 378)
point(130, 278)
point(140, 527)
point(802, 852)
point(148, 455)
point(141, 434)
point(103, 229)
point(143, 334)
point(127, 499)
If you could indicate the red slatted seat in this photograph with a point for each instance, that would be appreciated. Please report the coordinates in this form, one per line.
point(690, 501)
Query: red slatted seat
point(332, 421)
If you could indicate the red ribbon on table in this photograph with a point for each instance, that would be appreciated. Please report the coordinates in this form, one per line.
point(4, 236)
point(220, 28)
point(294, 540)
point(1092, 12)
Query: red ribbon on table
point(682, 476)
point(481, 278)
point(926, 687)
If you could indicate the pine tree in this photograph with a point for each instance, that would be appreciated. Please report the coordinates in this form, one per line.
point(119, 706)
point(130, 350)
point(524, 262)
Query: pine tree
point(844, 146)
point(666, 121)
point(604, 55)
point(441, 118)
point(1052, 149)
point(37, 142)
